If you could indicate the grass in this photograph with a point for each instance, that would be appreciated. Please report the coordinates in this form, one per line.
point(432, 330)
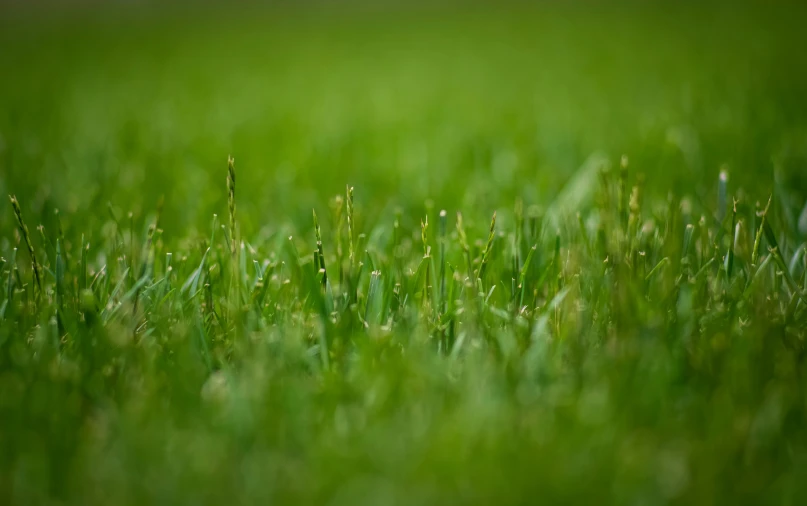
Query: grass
point(499, 306)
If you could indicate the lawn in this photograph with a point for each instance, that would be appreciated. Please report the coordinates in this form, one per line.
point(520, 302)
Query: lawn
point(548, 253)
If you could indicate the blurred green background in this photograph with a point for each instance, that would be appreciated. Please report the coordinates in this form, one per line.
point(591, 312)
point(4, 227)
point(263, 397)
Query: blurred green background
point(459, 106)
point(466, 105)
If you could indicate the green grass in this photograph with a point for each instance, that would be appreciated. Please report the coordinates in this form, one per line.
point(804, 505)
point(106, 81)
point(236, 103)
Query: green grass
point(489, 303)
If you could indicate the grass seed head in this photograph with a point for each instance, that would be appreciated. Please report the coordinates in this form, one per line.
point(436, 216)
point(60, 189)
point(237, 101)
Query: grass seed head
point(350, 224)
point(319, 258)
point(231, 202)
point(26, 237)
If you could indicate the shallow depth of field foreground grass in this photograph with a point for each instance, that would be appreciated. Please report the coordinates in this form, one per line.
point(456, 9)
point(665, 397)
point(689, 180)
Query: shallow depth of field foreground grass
point(429, 275)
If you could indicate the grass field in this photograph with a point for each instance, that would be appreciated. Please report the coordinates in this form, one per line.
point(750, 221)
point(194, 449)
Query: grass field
point(526, 254)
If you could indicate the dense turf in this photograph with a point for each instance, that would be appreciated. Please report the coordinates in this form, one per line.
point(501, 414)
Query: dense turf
point(576, 326)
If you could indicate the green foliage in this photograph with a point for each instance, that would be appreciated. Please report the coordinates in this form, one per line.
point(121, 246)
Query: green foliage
point(627, 337)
